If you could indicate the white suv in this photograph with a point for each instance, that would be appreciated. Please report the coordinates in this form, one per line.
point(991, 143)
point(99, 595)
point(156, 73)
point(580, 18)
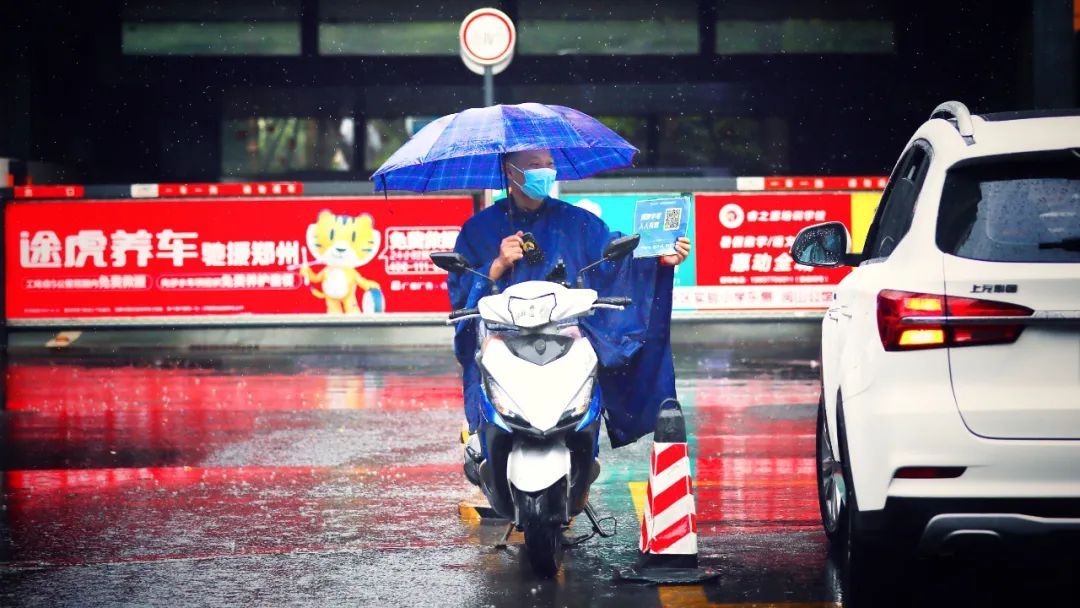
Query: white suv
point(951, 354)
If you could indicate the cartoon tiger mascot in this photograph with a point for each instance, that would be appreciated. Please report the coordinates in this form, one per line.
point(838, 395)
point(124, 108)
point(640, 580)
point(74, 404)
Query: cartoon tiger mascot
point(343, 244)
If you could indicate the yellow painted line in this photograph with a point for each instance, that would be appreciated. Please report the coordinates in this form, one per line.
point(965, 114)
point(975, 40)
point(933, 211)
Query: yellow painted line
point(682, 596)
point(685, 597)
point(693, 596)
point(468, 513)
point(473, 507)
point(637, 494)
point(779, 605)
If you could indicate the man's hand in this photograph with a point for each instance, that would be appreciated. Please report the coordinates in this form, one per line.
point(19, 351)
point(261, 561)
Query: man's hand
point(510, 251)
point(682, 251)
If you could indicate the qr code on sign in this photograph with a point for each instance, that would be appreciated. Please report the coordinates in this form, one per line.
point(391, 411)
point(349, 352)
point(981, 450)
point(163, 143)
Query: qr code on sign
point(672, 218)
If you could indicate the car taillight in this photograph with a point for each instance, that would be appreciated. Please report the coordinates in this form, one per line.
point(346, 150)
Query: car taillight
point(996, 333)
point(893, 307)
point(900, 328)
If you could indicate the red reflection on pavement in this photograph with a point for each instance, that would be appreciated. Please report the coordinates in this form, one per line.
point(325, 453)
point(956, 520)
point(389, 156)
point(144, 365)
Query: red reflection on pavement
point(112, 463)
point(87, 390)
point(96, 480)
point(755, 447)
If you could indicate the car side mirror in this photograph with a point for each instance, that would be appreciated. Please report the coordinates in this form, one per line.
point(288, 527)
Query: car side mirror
point(450, 261)
point(824, 245)
point(621, 246)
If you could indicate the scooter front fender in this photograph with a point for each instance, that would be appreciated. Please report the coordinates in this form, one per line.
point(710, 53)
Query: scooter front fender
point(537, 466)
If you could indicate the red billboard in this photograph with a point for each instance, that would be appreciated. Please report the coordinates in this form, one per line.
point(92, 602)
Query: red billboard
point(258, 256)
point(743, 260)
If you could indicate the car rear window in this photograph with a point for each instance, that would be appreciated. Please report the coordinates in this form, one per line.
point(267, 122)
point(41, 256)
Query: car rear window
point(1013, 209)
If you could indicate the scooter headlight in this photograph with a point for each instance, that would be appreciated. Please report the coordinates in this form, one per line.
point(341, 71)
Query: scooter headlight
point(502, 401)
point(580, 403)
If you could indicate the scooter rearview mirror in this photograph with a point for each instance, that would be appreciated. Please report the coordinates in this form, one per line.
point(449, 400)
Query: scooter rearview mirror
point(455, 262)
point(614, 250)
point(621, 246)
point(449, 261)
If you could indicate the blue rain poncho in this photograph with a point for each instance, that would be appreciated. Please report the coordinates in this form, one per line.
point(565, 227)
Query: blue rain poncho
point(633, 346)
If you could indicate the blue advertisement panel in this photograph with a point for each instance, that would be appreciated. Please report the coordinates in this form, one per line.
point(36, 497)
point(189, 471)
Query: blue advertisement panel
point(617, 210)
point(660, 222)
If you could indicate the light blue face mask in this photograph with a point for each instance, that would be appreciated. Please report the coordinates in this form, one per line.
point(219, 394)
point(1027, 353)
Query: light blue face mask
point(538, 182)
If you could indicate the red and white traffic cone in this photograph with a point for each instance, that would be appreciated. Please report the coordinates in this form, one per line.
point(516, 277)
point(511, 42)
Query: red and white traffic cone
point(669, 528)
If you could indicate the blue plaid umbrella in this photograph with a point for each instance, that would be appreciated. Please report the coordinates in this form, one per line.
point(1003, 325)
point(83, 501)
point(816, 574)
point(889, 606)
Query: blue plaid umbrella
point(463, 151)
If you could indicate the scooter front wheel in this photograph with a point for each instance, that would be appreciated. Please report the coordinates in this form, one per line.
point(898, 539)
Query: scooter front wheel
point(543, 544)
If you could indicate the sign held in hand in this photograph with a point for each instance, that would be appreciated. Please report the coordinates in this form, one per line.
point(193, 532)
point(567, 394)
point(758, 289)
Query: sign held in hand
point(660, 222)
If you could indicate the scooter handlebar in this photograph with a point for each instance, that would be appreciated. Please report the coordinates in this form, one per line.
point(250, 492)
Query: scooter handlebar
point(609, 302)
point(463, 312)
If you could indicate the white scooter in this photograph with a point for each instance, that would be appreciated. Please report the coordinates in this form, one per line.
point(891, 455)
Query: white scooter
point(540, 408)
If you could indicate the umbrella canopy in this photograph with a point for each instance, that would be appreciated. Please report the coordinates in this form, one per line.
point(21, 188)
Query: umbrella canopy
point(463, 151)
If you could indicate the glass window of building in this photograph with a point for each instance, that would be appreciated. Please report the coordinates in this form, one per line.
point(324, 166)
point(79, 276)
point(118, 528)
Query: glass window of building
point(634, 129)
point(746, 27)
point(276, 145)
point(383, 137)
point(704, 143)
point(211, 27)
point(601, 27)
point(734, 145)
point(394, 28)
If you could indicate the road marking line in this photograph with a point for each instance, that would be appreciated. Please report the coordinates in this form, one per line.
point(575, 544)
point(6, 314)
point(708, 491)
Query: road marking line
point(693, 596)
point(638, 495)
point(474, 509)
point(468, 513)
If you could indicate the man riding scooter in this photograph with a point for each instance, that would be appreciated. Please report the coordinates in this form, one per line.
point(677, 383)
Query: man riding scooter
point(607, 337)
point(531, 236)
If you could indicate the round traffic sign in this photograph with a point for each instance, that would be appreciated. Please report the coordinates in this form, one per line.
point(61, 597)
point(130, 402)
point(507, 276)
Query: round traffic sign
point(478, 69)
point(487, 37)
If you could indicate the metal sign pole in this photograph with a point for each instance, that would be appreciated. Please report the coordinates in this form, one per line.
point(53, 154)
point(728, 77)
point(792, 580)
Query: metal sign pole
point(487, 37)
point(489, 100)
point(489, 86)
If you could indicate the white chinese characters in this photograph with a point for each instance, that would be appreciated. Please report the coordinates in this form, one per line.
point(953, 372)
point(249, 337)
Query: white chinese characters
point(41, 251)
point(83, 246)
point(122, 249)
point(139, 242)
point(408, 249)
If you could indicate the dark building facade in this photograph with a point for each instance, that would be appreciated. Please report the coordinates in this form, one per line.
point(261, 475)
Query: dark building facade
point(208, 90)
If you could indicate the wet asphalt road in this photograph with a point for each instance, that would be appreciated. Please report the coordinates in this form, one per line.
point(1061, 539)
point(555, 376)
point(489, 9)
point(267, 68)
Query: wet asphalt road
point(328, 479)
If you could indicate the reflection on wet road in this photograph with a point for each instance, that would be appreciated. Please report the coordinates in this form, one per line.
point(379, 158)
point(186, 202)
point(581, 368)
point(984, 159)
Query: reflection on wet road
point(333, 479)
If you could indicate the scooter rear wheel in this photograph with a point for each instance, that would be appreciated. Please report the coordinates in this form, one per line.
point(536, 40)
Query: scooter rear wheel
point(543, 544)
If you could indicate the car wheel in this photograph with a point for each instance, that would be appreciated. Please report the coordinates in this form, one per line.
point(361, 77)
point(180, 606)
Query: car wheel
point(871, 566)
point(831, 487)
